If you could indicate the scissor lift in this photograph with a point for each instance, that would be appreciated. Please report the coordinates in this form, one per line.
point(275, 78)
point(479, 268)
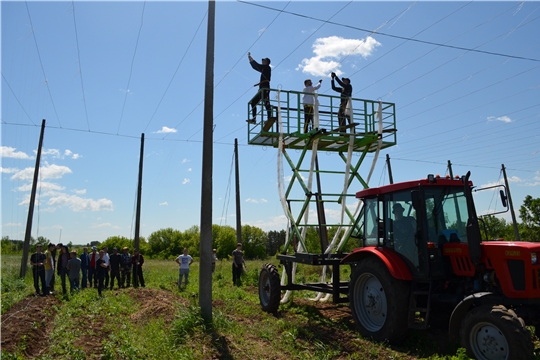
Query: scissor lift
point(370, 133)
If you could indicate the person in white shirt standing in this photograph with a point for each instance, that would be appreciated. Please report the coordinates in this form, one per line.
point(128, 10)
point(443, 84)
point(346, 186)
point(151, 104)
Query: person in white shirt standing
point(309, 102)
point(184, 261)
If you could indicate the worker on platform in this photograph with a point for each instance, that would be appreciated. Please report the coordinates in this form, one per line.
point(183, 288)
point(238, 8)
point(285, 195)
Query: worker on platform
point(310, 102)
point(346, 93)
point(264, 88)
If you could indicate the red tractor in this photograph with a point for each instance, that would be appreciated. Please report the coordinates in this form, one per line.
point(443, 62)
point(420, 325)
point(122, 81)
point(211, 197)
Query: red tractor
point(422, 262)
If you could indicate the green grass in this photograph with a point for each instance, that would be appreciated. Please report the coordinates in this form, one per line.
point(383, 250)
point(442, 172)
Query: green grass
point(121, 325)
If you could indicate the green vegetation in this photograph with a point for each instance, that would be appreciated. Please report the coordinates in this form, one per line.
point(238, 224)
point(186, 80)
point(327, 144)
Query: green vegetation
point(160, 321)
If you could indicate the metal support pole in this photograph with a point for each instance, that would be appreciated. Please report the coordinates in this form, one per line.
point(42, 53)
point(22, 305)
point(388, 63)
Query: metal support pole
point(27, 234)
point(512, 212)
point(390, 177)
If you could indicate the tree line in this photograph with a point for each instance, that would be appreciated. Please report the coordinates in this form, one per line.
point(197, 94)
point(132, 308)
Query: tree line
point(257, 244)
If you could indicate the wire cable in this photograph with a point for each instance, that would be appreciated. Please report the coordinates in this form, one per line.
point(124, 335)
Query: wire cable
point(79, 61)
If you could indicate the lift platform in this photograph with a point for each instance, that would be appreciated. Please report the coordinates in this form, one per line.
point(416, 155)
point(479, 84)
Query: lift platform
point(371, 128)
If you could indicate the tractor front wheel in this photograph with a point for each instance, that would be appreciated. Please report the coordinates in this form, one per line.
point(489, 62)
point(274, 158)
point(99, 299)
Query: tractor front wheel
point(379, 302)
point(495, 332)
point(269, 288)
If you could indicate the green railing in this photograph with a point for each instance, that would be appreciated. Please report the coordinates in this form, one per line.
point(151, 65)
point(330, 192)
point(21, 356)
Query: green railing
point(289, 105)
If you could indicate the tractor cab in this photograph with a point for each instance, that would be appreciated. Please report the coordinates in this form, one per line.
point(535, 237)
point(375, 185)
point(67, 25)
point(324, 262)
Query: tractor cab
point(415, 219)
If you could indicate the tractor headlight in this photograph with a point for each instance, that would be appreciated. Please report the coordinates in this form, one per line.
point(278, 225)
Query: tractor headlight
point(534, 259)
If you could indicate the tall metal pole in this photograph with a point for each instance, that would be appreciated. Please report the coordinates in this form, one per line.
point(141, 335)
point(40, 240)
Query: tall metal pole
point(136, 242)
point(390, 177)
point(205, 273)
point(237, 182)
point(512, 212)
point(26, 245)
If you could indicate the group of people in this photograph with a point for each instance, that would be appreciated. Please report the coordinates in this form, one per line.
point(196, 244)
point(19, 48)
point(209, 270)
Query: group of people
point(309, 101)
point(95, 269)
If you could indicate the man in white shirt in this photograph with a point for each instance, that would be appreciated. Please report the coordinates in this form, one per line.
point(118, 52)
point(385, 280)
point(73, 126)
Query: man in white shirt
point(309, 102)
point(184, 261)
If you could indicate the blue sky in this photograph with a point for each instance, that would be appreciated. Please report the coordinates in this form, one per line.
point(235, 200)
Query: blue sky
point(465, 78)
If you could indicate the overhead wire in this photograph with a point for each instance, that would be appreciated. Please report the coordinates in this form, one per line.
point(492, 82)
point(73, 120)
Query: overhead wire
point(79, 62)
point(175, 72)
point(398, 36)
point(127, 90)
point(18, 101)
point(45, 79)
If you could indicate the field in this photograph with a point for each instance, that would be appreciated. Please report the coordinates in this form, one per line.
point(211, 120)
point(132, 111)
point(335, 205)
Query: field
point(162, 322)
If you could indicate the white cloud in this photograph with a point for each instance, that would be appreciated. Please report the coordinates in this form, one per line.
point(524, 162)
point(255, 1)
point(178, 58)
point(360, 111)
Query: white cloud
point(330, 51)
point(8, 170)
point(185, 161)
point(69, 153)
point(185, 181)
point(9, 152)
point(77, 203)
point(97, 226)
point(504, 119)
point(256, 201)
point(166, 130)
point(79, 192)
point(164, 204)
point(43, 186)
point(12, 224)
point(46, 172)
point(189, 169)
point(54, 152)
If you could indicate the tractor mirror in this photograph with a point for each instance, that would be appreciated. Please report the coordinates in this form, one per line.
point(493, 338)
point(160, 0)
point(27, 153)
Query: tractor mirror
point(503, 198)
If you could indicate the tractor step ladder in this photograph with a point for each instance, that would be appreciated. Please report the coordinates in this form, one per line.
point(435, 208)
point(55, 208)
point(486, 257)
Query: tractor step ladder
point(419, 315)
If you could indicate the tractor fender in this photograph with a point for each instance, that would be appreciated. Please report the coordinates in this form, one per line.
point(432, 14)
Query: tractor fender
point(393, 262)
point(463, 307)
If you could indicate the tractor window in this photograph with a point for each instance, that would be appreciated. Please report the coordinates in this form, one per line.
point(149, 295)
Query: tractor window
point(401, 226)
point(371, 222)
point(447, 214)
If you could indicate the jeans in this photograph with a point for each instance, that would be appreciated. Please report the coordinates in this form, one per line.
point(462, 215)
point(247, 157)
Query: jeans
point(73, 284)
point(84, 278)
point(39, 274)
point(183, 273)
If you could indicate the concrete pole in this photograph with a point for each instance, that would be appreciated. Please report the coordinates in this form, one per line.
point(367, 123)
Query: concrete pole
point(27, 234)
point(205, 274)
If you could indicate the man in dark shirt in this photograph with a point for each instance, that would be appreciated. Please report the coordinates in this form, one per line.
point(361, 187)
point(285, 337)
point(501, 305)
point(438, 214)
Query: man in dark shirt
point(114, 263)
point(137, 260)
point(126, 268)
point(85, 264)
point(37, 260)
point(238, 263)
point(346, 93)
point(264, 88)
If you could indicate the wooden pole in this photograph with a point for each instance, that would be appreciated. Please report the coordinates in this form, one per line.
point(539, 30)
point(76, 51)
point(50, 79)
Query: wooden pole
point(237, 182)
point(205, 274)
point(27, 234)
point(136, 242)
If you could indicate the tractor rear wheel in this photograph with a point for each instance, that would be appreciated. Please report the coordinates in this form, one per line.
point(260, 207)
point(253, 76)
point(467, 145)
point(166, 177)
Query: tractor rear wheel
point(379, 302)
point(269, 288)
point(495, 332)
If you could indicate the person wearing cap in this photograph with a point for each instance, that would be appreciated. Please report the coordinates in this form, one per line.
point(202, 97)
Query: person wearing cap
point(101, 269)
point(85, 264)
point(309, 101)
point(346, 93)
point(115, 260)
point(37, 260)
point(92, 276)
point(264, 88)
point(125, 281)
